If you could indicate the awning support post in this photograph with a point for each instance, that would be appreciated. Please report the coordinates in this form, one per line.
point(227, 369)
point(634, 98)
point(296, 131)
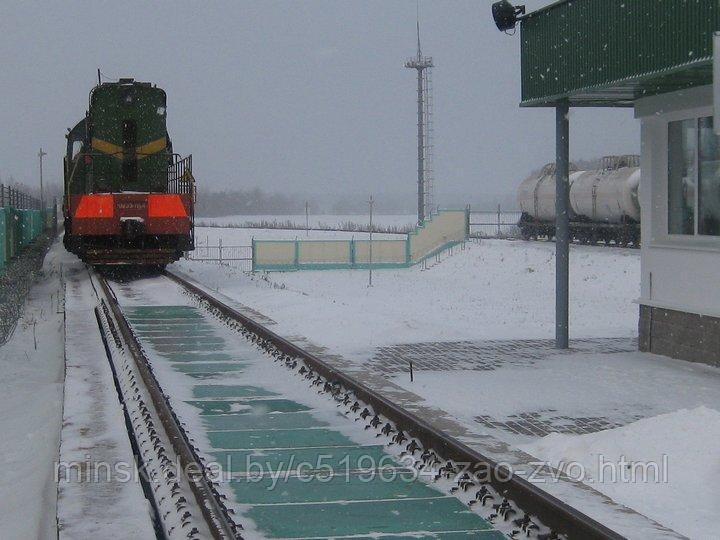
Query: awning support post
point(562, 224)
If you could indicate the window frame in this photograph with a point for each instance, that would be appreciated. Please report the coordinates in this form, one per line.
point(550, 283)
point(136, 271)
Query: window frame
point(696, 179)
point(659, 174)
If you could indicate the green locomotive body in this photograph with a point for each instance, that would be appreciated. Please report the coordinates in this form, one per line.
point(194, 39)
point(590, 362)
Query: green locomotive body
point(128, 197)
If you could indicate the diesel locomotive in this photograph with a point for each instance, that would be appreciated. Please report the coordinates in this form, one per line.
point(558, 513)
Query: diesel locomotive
point(128, 199)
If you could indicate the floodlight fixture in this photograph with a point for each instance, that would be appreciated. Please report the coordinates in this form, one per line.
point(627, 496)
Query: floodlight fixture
point(506, 15)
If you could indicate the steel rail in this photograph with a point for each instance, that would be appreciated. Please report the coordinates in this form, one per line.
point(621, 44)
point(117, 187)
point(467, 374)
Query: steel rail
point(551, 511)
point(218, 521)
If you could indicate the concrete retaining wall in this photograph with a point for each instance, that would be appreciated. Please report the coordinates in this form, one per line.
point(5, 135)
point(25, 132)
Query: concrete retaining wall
point(442, 230)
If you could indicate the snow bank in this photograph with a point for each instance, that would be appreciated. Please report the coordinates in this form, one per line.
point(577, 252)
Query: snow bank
point(665, 467)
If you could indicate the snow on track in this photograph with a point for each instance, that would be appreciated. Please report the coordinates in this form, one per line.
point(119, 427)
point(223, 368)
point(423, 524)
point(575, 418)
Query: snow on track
point(241, 408)
point(94, 433)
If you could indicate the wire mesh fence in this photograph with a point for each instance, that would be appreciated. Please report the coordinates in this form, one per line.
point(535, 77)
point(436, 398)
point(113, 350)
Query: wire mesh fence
point(499, 224)
point(14, 198)
point(234, 256)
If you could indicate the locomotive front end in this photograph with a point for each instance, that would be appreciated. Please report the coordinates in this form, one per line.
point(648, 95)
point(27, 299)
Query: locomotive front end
point(128, 198)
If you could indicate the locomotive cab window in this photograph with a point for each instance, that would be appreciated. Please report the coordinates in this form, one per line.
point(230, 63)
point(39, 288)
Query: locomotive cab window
point(693, 178)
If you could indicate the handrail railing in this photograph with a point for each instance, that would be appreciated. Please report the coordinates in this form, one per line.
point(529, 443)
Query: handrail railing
point(179, 176)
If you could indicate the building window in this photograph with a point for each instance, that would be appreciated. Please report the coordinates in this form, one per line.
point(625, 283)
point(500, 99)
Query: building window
point(682, 148)
point(693, 160)
point(709, 179)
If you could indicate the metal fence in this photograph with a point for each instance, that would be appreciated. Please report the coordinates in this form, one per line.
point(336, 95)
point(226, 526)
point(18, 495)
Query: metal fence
point(499, 224)
point(234, 256)
point(14, 198)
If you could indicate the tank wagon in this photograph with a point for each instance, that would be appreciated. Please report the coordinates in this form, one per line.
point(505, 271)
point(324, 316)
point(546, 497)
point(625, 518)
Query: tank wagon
point(128, 199)
point(604, 204)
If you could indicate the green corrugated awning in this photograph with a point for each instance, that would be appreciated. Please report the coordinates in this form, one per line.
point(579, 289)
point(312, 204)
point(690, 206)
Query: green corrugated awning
point(612, 52)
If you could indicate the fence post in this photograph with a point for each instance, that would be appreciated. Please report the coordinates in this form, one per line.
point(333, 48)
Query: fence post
point(467, 221)
point(352, 251)
point(252, 254)
point(220, 250)
point(297, 254)
point(498, 231)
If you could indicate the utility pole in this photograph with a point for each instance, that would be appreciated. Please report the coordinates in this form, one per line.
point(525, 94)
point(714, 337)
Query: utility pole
point(562, 224)
point(307, 220)
point(370, 202)
point(41, 154)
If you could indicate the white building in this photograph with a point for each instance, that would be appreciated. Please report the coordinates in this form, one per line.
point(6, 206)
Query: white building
point(658, 58)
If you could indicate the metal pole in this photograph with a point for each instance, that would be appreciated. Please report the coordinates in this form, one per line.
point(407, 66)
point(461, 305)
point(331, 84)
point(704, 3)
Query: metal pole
point(498, 223)
point(42, 200)
point(421, 148)
point(307, 220)
point(562, 224)
point(371, 245)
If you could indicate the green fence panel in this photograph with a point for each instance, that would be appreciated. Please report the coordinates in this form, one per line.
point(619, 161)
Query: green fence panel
point(25, 227)
point(38, 222)
point(13, 232)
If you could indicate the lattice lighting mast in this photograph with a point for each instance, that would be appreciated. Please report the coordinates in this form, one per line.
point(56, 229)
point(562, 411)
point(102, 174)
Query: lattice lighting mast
point(423, 65)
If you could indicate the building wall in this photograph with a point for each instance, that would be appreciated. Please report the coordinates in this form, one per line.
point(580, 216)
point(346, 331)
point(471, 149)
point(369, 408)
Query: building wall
point(679, 280)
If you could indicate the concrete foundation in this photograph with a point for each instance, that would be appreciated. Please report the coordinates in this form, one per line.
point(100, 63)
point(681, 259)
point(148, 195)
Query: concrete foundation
point(678, 334)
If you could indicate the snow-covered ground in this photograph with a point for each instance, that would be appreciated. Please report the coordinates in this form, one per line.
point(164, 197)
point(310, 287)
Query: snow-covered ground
point(492, 290)
point(31, 395)
point(677, 439)
point(94, 499)
point(666, 410)
point(670, 467)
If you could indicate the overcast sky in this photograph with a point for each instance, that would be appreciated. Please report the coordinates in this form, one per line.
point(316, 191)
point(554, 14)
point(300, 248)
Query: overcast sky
point(310, 97)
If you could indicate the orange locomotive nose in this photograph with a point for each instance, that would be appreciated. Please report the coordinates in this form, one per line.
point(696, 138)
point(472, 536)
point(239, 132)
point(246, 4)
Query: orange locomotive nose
point(95, 206)
point(165, 206)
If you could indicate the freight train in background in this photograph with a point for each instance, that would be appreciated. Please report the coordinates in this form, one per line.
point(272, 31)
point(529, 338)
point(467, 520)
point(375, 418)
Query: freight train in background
point(128, 199)
point(604, 204)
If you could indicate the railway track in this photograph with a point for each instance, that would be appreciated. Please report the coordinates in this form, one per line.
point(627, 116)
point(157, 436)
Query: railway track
point(246, 435)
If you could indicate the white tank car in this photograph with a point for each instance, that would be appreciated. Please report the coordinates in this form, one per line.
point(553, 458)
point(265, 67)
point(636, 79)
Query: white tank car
point(609, 195)
point(536, 194)
point(604, 203)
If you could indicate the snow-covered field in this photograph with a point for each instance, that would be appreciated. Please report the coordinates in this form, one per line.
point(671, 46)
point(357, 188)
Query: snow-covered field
point(492, 290)
point(385, 220)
